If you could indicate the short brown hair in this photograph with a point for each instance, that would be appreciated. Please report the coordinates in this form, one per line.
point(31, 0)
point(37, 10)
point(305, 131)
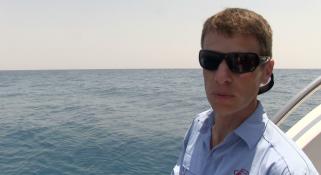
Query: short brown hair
point(233, 21)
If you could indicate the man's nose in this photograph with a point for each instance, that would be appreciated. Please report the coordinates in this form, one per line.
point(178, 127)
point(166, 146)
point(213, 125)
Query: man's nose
point(223, 74)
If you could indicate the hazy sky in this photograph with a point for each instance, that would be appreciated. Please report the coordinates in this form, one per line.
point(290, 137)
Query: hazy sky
point(102, 34)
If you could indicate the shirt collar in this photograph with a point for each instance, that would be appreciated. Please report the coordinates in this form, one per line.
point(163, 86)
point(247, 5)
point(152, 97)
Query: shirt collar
point(250, 130)
point(253, 127)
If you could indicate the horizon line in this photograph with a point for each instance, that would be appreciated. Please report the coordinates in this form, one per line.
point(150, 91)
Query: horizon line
point(83, 69)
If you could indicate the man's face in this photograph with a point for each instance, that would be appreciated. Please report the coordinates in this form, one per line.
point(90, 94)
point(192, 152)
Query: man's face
point(230, 93)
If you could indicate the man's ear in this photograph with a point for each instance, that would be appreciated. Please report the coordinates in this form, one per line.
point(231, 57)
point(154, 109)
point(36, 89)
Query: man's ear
point(267, 72)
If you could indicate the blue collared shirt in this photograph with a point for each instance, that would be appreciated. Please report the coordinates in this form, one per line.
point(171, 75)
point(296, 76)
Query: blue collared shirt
point(256, 147)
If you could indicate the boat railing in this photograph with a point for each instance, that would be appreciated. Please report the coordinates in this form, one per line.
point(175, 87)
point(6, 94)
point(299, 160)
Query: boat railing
point(307, 131)
point(309, 90)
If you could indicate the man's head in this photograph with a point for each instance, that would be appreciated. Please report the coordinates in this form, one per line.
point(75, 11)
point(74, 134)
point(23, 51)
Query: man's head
point(236, 21)
point(236, 60)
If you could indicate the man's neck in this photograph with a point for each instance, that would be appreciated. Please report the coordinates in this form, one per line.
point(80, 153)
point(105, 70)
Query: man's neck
point(225, 124)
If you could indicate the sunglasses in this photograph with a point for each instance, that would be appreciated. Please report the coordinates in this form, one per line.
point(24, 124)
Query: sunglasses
point(238, 62)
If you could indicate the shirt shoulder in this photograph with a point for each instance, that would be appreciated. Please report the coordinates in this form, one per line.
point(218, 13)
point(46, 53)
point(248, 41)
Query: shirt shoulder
point(202, 120)
point(203, 116)
point(190, 149)
point(283, 155)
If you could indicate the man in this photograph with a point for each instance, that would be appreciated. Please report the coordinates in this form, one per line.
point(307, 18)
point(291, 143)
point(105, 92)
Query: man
point(236, 137)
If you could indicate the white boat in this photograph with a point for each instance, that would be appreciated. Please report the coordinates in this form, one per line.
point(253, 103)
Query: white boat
point(307, 131)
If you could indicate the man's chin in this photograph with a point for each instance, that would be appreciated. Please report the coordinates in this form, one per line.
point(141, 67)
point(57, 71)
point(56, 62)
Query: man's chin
point(226, 107)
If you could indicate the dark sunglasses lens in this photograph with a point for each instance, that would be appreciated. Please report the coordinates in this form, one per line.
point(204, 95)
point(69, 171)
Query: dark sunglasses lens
point(242, 62)
point(209, 60)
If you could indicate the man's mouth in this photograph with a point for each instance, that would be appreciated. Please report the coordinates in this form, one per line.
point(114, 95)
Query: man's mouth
point(223, 95)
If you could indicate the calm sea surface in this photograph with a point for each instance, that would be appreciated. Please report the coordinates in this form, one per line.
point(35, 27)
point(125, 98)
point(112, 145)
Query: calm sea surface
point(114, 122)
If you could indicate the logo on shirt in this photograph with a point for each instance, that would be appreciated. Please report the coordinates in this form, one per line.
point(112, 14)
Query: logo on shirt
point(241, 172)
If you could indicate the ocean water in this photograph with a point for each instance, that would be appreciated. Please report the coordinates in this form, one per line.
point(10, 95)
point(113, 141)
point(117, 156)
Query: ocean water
point(114, 122)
